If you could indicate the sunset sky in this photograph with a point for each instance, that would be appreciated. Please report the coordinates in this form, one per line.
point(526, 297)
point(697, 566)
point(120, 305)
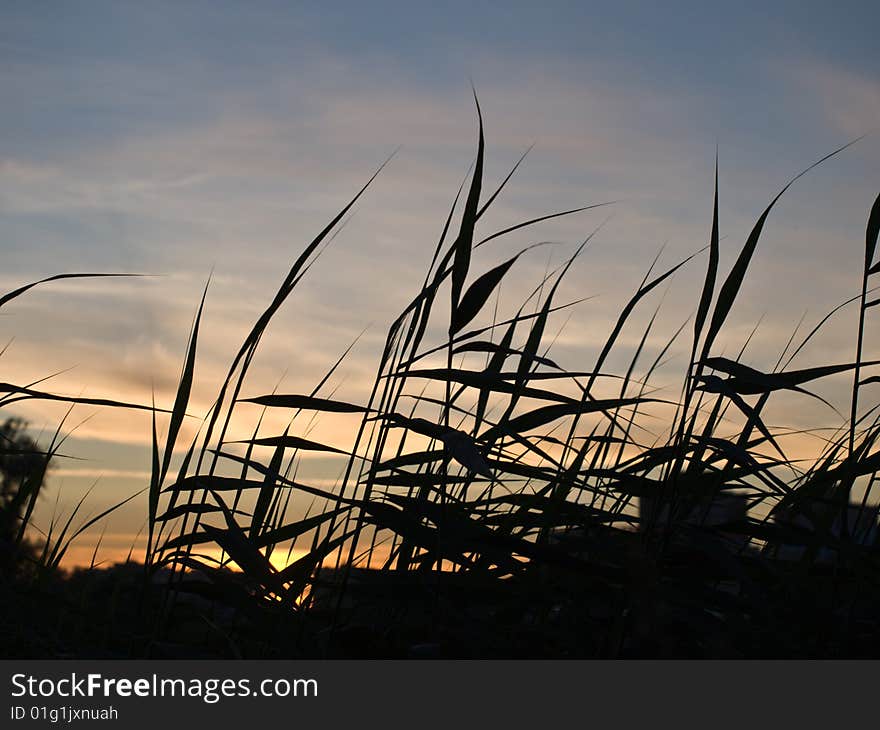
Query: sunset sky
point(180, 138)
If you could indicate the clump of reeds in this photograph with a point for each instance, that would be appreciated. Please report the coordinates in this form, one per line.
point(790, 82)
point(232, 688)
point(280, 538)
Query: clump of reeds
point(517, 503)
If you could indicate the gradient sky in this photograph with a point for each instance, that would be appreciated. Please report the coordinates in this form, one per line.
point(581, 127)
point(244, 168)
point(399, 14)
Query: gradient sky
point(180, 138)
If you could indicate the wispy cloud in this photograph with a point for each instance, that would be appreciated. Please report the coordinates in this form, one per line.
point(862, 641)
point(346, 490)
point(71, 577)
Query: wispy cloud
point(848, 99)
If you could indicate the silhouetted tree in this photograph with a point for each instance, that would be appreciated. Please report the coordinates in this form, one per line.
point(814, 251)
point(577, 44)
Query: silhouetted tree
point(22, 469)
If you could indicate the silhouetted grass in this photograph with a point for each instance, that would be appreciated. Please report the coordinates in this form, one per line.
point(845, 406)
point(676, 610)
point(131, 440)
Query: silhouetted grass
point(496, 503)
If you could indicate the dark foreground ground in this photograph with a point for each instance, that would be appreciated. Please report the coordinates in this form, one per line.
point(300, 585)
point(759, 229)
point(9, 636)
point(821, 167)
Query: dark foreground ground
point(695, 603)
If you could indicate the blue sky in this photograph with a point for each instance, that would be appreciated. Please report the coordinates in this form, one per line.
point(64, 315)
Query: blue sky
point(173, 138)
